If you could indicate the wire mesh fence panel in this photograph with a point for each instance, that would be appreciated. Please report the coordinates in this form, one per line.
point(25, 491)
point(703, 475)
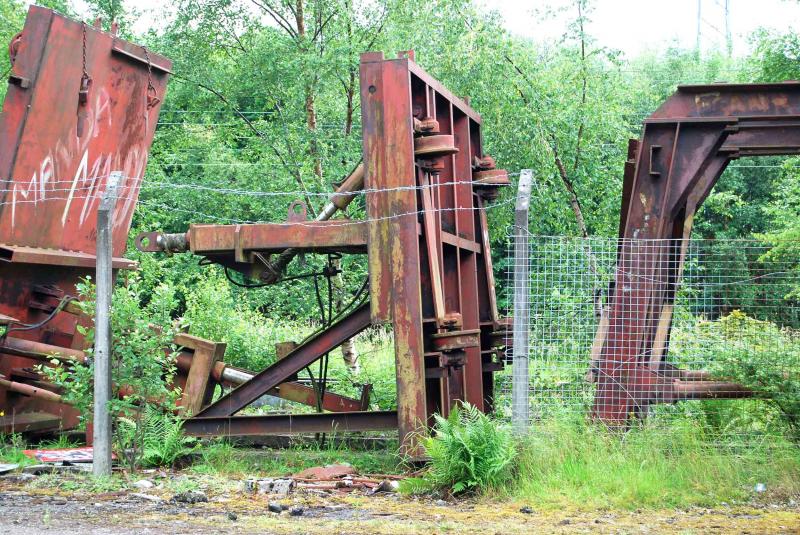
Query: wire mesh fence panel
point(651, 333)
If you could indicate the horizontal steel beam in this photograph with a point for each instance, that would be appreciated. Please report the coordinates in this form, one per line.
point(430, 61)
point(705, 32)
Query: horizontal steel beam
point(291, 423)
point(307, 235)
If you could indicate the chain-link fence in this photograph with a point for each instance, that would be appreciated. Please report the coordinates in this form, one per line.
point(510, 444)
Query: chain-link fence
point(660, 332)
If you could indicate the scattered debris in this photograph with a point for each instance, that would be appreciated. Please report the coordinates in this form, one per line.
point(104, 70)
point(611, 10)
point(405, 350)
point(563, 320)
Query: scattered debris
point(148, 497)
point(63, 455)
point(19, 477)
point(327, 473)
point(385, 486)
point(190, 497)
point(143, 484)
point(39, 469)
point(6, 468)
point(282, 487)
point(275, 507)
point(332, 478)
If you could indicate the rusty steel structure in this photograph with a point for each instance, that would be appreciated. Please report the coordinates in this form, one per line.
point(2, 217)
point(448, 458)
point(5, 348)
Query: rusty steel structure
point(685, 146)
point(427, 181)
point(81, 103)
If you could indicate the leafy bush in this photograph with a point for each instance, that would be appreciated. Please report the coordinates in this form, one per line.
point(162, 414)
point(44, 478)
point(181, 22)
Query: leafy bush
point(468, 451)
point(213, 313)
point(142, 364)
point(761, 356)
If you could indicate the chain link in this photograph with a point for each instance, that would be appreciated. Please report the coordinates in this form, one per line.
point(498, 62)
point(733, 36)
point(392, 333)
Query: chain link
point(83, 27)
point(152, 94)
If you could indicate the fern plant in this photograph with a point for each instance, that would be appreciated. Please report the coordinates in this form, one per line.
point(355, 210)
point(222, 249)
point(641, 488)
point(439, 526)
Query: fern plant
point(163, 440)
point(468, 451)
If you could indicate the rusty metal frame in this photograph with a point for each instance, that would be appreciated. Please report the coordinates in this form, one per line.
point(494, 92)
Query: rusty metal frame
point(685, 146)
point(430, 262)
point(427, 182)
point(59, 141)
point(319, 422)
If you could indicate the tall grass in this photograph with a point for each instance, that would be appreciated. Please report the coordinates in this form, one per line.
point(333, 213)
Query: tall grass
point(575, 464)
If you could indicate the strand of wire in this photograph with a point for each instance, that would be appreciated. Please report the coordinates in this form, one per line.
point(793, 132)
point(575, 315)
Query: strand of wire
point(311, 224)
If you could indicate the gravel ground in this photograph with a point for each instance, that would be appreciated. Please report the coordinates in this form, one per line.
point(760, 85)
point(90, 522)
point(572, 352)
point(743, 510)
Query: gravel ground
point(35, 510)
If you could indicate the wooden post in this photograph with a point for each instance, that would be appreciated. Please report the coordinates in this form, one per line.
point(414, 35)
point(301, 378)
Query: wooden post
point(520, 383)
point(101, 434)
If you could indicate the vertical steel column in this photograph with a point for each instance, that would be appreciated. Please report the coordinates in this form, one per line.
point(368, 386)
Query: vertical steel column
point(101, 435)
point(521, 379)
point(393, 240)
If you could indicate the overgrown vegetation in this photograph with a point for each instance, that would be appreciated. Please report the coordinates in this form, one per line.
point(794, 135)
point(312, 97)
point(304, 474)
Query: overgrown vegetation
point(260, 104)
point(143, 367)
point(571, 463)
point(468, 451)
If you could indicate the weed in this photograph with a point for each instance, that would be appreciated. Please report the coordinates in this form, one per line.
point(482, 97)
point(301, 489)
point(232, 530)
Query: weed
point(11, 447)
point(468, 451)
point(164, 441)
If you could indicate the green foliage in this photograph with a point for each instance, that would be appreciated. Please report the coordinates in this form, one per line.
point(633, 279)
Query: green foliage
point(212, 312)
point(761, 356)
point(220, 457)
point(11, 447)
point(163, 440)
point(468, 452)
point(777, 55)
point(142, 363)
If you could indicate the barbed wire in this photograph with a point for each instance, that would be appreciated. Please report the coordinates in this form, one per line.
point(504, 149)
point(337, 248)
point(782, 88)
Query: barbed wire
point(310, 223)
point(145, 184)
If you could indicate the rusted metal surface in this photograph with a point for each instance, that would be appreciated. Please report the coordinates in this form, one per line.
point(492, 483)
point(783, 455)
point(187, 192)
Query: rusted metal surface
point(427, 182)
point(445, 248)
point(195, 389)
point(61, 135)
point(54, 257)
point(685, 146)
point(291, 423)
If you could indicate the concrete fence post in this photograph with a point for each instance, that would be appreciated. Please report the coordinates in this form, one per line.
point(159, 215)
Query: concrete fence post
point(520, 383)
point(101, 435)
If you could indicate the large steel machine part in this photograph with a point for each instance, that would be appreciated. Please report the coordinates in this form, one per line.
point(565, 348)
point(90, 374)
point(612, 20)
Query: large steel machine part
point(685, 146)
point(427, 181)
point(81, 103)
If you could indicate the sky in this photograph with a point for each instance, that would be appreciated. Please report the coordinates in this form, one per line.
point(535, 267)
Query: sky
point(632, 26)
point(635, 26)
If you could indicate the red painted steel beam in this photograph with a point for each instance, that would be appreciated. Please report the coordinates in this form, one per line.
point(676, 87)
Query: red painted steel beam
point(281, 370)
point(290, 424)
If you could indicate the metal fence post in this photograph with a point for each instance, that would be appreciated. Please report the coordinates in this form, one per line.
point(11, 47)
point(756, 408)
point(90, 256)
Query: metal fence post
point(520, 383)
point(101, 434)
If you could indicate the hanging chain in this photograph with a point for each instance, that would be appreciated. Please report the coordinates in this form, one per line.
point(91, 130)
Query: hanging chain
point(152, 94)
point(83, 90)
point(83, 27)
point(86, 80)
